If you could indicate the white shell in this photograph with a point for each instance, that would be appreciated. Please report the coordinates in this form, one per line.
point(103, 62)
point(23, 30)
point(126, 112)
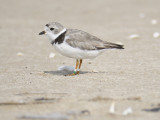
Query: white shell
point(112, 108)
point(127, 111)
point(51, 55)
point(134, 36)
point(95, 71)
point(156, 34)
point(142, 15)
point(20, 54)
point(153, 22)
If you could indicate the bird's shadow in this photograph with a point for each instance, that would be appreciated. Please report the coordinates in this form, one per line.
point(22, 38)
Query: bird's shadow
point(64, 73)
point(60, 73)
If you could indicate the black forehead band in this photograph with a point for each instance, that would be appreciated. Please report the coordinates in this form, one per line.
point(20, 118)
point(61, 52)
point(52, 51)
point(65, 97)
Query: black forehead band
point(47, 25)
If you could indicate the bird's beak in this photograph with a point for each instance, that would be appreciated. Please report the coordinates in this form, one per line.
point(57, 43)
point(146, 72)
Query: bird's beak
point(42, 33)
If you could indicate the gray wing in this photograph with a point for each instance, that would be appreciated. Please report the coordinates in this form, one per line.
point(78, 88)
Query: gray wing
point(85, 41)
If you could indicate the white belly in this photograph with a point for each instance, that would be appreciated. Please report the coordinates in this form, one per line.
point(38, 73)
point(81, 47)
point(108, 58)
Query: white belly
point(77, 53)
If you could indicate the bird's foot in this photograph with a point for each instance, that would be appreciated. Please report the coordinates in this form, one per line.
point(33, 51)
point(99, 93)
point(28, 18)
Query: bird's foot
point(73, 74)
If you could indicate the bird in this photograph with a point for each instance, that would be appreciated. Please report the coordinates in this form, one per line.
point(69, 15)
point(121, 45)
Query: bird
point(77, 44)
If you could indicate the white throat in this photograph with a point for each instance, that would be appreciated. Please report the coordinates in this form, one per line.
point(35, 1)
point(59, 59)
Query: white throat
point(54, 36)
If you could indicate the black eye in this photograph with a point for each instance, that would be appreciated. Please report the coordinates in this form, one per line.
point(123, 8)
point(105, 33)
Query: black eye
point(51, 28)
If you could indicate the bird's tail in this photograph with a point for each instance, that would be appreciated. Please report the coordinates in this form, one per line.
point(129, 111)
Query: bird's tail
point(109, 45)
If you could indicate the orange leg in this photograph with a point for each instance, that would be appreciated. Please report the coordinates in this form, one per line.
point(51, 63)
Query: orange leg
point(80, 63)
point(79, 66)
point(75, 71)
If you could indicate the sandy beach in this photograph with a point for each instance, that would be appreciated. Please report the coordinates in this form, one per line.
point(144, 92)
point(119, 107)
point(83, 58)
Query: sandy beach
point(31, 87)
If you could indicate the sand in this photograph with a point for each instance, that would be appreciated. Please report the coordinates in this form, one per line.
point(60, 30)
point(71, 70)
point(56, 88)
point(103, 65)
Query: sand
point(31, 85)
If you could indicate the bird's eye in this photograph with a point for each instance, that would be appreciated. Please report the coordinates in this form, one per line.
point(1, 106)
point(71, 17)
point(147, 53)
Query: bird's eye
point(51, 28)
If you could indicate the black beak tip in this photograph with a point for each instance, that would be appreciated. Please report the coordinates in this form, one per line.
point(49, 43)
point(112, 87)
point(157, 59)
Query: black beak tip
point(41, 33)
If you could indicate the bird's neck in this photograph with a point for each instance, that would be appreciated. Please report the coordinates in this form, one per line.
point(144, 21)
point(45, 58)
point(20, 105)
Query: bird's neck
point(60, 37)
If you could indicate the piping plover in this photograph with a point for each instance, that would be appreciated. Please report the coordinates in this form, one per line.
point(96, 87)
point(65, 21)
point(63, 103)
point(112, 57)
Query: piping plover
point(76, 44)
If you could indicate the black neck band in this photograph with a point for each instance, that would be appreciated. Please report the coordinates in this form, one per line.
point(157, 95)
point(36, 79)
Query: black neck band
point(59, 39)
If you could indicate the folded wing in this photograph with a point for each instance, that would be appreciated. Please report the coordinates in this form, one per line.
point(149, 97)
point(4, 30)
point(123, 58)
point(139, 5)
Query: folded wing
point(85, 41)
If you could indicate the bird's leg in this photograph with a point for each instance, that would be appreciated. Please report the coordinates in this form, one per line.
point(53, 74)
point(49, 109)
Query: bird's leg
point(79, 66)
point(75, 72)
point(76, 68)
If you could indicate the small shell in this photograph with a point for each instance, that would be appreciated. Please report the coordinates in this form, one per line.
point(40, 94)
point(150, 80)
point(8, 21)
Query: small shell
point(142, 15)
point(134, 36)
point(95, 71)
point(20, 54)
point(154, 22)
point(112, 108)
point(51, 55)
point(156, 34)
point(127, 111)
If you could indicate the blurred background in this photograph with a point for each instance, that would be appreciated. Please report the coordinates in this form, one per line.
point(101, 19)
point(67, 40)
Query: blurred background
point(109, 20)
point(28, 73)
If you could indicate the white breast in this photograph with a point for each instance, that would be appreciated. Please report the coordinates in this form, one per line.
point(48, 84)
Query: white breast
point(77, 53)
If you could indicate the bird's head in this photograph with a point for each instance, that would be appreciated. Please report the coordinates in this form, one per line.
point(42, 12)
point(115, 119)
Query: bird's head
point(53, 30)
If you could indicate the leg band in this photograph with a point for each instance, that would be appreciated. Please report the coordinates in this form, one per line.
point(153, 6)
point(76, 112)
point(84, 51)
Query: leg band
point(74, 72)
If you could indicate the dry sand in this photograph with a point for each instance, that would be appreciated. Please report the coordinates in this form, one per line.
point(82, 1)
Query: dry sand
point(31, 85)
